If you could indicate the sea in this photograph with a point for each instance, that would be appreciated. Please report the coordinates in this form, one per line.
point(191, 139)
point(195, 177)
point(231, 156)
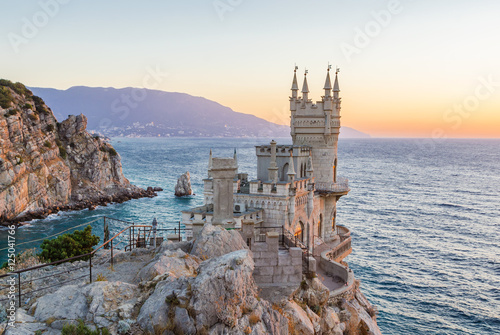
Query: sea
point(424, 216)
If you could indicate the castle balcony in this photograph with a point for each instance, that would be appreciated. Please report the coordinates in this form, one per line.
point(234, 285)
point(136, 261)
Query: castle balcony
point(339, 188)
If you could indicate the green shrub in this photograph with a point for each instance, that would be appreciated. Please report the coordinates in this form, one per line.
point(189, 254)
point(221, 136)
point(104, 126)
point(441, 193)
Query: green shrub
point(28, 106)
point(47, 144)
point(16, 87)
point(78, 243)
point(112, 152)
point(62, 152)
point(50, 128)
point(33, 117)
point(82, 329)
point(58, 142)
point(12, 112)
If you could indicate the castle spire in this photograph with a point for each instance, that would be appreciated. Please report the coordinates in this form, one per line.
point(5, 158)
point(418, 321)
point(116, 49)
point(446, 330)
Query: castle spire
point(305, 88)
point(291, 168)
point(295, 87)
point(328, 83)
point(336, 88)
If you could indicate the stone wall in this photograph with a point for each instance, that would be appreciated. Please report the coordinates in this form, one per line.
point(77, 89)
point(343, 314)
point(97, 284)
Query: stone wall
point(275, 266)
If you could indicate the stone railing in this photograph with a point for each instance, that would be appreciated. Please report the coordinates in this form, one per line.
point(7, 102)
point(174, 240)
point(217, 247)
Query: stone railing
point(342, 185)
point(340, 251)
point(337, 270)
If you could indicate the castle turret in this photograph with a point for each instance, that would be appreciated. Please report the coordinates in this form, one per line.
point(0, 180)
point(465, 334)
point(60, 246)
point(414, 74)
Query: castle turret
point(305, 91)
point(295, 87)
point(328, 84)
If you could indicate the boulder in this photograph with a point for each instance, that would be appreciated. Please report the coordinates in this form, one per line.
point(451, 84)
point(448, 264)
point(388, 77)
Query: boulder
point(183, 186)
point(101, 303)
point(215, 241)
point(213, 302)
point(299, 319)
point(174, 263)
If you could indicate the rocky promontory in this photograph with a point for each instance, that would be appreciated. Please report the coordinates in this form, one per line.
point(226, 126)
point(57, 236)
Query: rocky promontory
point(197, 287)
point(47, 166)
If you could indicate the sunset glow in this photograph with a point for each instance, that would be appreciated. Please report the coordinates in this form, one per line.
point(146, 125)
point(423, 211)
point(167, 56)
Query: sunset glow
point(404, 64)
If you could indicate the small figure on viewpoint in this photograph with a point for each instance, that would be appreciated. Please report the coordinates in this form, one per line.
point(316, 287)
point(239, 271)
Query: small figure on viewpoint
point(183, 186)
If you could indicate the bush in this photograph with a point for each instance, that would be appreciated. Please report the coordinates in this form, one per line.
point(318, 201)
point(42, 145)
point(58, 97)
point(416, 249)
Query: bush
point(78, 243)
point(58, 142)
point(112, 152)
point(82, 329)
point(50, 128)
point(16, 87)
point(47, 144)
point(5, 97)
point(33, 117)
point(62, 152)
point(28, 106)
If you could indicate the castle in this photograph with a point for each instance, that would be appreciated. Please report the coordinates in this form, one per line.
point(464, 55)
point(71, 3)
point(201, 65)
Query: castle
point(297, 186)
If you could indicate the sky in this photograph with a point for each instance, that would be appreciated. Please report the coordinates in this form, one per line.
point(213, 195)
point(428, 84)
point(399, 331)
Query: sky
point(408, 68)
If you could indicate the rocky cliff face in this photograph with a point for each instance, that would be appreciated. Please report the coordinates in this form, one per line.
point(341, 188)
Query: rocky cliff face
point(47, 166)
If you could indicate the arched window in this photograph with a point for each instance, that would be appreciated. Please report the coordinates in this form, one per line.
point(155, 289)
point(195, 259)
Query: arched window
point(284, 175)
point(299, 232)
point(320, 228)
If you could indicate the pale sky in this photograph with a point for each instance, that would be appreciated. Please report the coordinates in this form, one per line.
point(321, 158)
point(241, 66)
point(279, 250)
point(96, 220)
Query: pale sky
point(408, 68)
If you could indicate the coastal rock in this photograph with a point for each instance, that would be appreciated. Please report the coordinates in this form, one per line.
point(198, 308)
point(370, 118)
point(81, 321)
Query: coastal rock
point(215, 241)
point(47, 166)
point(173, 263)
point(298, 317)
point(100, 303)
point(215, 301)
point(183, 186)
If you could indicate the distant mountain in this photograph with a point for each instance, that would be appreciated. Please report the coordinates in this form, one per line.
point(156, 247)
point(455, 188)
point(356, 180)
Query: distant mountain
point(143, 112)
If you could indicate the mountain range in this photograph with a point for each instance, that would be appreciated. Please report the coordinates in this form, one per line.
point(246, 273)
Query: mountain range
point(143, 112)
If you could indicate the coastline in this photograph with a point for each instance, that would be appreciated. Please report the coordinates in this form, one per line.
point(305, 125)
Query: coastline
point(89, 203)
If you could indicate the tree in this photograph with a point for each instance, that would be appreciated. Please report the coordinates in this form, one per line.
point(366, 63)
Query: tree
point(65, 246)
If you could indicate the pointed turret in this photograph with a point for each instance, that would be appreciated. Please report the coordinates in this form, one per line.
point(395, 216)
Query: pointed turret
point(291, 169)
point(328, 83)
point(295, 87)
point(305, 88)
point(336, 88)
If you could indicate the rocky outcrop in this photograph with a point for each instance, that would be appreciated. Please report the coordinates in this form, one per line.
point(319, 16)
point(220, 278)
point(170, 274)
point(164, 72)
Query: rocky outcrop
point(215, 241)
point(221, 299)
point(175, 292)
point(183, 186)
point(47, 166)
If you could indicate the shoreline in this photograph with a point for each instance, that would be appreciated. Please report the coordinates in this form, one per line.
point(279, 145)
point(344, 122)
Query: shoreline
point(91, 203)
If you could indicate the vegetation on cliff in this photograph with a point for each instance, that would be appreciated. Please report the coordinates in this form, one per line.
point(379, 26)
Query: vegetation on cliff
point(47, 166)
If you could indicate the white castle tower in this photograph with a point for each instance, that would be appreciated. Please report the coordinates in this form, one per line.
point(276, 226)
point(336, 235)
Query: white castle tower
point(317, 125)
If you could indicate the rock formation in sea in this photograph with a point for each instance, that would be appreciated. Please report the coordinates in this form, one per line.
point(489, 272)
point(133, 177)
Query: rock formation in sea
point(47, 166)
point(199, 287)
point(183, 186)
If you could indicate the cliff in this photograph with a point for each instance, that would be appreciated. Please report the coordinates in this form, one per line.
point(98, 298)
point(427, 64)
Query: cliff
point(200, 287)
point(48, 166)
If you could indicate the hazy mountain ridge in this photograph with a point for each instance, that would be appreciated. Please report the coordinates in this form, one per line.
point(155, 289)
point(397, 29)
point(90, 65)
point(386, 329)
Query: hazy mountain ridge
point(143, 112)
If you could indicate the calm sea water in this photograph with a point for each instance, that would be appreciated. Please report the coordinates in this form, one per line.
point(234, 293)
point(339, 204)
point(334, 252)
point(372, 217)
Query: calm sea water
point(424, 216)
